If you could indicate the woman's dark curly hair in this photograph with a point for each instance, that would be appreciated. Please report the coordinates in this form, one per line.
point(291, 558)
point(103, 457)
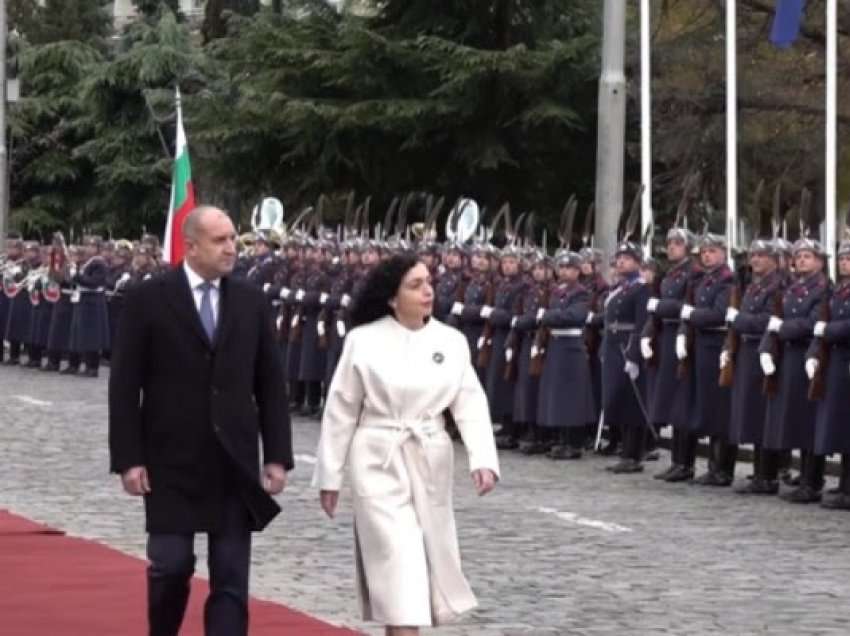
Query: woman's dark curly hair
point(381, 286)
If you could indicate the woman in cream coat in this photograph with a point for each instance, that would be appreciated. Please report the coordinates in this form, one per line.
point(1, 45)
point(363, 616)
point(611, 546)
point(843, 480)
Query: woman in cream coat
point(399, 371)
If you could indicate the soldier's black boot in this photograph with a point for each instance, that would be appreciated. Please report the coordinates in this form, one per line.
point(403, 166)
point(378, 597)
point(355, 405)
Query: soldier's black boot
point(312, 408)
point(633, 438)
point(764, 481)
point(92, 359)
point(297, 393)
point(675, 456)
point(710, 477)
point(726, 467)
point(73, 367)
point(507, 437)
point(535, 443)
point(785, 460)
point(14, 354)
point(841, 499)
point(34, 355)
point(570, 446)
point(53, 360)
point(613, 445)
point(811, 480)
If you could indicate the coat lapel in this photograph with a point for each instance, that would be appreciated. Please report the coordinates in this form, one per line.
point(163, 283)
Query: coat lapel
point(181, 302)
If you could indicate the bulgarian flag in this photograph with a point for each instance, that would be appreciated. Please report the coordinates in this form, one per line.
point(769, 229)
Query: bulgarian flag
point(182, 195)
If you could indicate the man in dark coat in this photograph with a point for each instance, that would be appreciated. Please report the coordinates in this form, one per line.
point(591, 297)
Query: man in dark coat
point(195, 379)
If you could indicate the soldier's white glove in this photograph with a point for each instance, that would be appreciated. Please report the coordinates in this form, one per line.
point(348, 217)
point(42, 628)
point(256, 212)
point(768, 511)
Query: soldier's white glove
point(632, 370)
point(509, 354)
point(323, 298)
point(767, 365)
point(774, 324)
point(540, 312)
point(125, 276)
point(481, 342)
point(266, 287)
point(534, 351)
point(284, 293)
point(457, 309)
point(513, 322)
point(646, 348)
point(320, 327)
point(294, 322)
point(652, 305)
point(681, 346)
point(590, 316)
point(820, 328)
point(71, 270)
point(345, 301)
point(486, 311)
point(686, 312)
point(299, 295)
point(724, 359)
point(731, 314)
point(812, 365)
point(278, 322)
point(340, 328)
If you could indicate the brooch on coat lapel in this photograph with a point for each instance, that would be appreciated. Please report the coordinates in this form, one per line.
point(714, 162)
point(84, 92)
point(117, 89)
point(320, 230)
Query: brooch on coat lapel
point(438, 357)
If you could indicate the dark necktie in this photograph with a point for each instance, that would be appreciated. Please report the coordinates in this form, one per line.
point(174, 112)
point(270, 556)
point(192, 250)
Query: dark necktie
point(207, 316)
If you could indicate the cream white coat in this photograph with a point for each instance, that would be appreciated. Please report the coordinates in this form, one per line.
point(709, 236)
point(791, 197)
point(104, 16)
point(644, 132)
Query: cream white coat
point(384, 419)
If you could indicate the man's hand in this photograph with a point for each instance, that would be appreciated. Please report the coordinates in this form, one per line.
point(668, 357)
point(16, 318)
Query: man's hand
point(484, 480)
point(329, 500)
point(135, 481)
point(274, 478)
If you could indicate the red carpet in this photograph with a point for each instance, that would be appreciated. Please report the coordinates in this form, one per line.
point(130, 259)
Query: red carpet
point(51, 585)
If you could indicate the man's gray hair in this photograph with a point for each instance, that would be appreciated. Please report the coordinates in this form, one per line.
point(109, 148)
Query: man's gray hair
point(192, 222)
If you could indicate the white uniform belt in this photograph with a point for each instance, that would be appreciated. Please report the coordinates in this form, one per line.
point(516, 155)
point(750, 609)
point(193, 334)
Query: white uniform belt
point(567, 333)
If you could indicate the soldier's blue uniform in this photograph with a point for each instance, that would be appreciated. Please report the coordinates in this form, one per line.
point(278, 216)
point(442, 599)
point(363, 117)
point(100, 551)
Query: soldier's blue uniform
point(90, 320)
point(500, 392)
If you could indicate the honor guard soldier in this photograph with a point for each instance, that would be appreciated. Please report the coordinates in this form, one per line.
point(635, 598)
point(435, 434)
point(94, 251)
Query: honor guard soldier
point(566, 394)
point(449, 282)
point(42, 310)
point(468, 311)
point(120, 268)
point(518, 354)
point(827, 362)
point(658, 347)
point(790, 417)
point(597, 286)
point(311, 369)
point(90, 320)
point(59, 335)
point(17, 287)
point(623, 380)
point(341, 273)
point(741, 353)
point(12, 274)
point(509, 289)
point(704, 322)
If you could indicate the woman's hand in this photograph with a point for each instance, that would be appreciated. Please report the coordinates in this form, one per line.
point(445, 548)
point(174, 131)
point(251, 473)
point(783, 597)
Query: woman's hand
point(329, 499)
point(484, 480)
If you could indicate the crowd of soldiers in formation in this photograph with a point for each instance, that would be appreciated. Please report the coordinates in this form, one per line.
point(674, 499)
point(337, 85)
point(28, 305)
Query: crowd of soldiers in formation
point(758, 356)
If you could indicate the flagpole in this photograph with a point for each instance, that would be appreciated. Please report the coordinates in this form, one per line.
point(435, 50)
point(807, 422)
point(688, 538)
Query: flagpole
point(731, 126)
point(646, 122)
point(831, 129)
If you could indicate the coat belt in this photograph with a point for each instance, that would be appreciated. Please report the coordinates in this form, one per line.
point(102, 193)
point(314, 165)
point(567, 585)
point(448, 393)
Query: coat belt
point(567, 333)
point(620, 327)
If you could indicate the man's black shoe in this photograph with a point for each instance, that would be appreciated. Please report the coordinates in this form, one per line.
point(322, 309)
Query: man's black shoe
point(802, 495)
point(681, 473)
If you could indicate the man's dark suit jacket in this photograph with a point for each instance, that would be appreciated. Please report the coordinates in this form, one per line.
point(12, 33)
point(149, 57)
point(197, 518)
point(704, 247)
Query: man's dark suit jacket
point(192, 411)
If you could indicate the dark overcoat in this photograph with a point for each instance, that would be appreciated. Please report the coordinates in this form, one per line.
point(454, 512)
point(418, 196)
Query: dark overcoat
point(790, 417)
point(832, 424)
point(500, 392)
point(710, 403)
point(625, 314)
point(746, 420)
point(566, 392)
point(527, 386)
point(192, 411)
point(662, 375)
point(90, 318)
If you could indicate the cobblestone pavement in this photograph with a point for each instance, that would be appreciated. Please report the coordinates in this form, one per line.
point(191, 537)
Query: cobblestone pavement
point(559, 548)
